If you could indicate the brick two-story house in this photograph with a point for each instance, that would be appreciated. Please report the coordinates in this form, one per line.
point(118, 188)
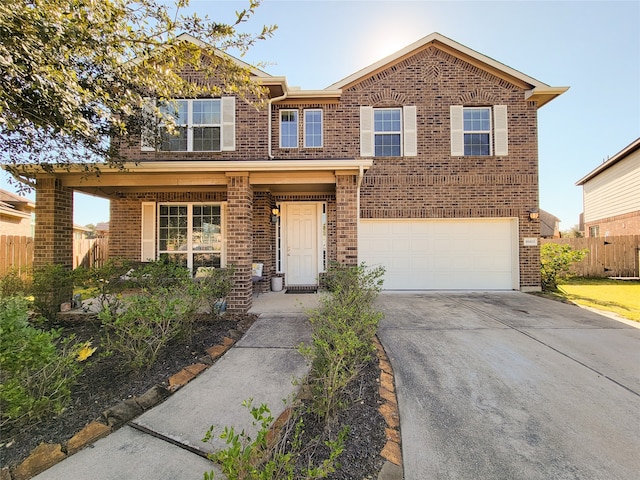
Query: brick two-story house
point(425, 162)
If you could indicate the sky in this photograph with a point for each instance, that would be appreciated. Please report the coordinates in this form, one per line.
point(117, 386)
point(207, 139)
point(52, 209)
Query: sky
point(593, 47)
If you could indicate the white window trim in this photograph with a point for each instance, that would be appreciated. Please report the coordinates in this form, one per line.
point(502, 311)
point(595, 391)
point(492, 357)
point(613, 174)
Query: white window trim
point(304, 127)
point(481, 132)
point(150, 231)
point(408, 131)
point(498, 135)
point(290, 110)
point(227, 126)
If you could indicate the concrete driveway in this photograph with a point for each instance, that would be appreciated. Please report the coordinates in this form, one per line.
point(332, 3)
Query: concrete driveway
point(506, 385)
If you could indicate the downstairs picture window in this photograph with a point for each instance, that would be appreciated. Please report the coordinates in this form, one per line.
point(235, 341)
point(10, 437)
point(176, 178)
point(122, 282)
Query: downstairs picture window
point(188, 234)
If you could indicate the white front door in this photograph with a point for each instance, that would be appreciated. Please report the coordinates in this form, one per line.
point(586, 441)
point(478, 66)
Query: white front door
point(301, 243)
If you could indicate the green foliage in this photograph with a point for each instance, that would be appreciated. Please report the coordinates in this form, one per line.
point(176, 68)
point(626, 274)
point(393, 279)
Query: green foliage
point(52, 285)
point(12, 284)
point(105, 283)
point(37, 370)
point(69, 80)
point(343, 331)
point(146, 325)
point(556, 261)
point(215, 286)
point(156, 276)
point(273, 454)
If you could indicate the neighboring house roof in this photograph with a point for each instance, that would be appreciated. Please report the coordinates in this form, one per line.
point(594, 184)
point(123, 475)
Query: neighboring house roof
point(548, 224)
point(536, 90)
point(80, 228)
point(16, 200)
point(9, 210)
point(621, 155)
point(102, 227)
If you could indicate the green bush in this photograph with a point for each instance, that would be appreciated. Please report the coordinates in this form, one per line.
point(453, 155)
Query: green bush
point(215, 286)
point(105, 283)
point(159, 275)
point(343, 331)
point(556, 261)
point(147, 323)
point(52, 285)
point(12, 284)
point(273, 454)
point(37, 368)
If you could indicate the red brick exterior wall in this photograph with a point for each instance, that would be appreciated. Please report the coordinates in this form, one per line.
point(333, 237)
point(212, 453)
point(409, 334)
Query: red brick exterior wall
point(435, 184)
point(126, 218)
point(347, 219)
point(432, 184)
point(239, 240)
point(54, 223)
point(627, 224)
point(264, 234)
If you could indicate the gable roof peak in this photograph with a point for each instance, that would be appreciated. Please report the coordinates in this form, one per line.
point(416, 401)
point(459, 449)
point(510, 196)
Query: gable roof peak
point(536, 90)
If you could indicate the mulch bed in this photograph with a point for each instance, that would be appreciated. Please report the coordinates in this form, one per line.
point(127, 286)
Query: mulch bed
point(104, 384)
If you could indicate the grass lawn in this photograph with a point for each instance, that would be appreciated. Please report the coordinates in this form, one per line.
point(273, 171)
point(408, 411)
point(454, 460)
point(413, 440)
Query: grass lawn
point(618, 296)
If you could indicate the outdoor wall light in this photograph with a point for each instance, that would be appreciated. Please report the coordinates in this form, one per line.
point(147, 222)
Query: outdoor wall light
point(534, 214)
point(275, 213)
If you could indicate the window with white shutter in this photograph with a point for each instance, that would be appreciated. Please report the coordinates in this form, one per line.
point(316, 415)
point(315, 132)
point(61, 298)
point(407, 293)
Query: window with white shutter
point(479, 131)
point(188, 234)
point(388, 132)
point(197, 125)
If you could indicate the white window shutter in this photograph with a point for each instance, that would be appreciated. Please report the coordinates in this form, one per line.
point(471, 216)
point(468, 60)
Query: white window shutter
point(147, 130)
point(148, 232)
point(366, 131)
point(457, 130)
point(410, 131)
point(228, 134)
point(501, 137)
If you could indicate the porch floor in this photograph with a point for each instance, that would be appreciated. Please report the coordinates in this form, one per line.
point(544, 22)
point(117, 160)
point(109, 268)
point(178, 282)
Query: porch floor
point(279, 302)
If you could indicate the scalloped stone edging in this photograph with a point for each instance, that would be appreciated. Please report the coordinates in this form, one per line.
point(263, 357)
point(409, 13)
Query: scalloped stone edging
point(392, 451)
point(46, 455)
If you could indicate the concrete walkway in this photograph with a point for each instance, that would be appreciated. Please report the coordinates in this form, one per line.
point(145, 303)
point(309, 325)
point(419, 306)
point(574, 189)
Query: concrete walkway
point(165, 443)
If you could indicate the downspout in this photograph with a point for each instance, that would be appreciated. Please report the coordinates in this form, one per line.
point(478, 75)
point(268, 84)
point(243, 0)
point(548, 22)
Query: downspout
point(269, 128)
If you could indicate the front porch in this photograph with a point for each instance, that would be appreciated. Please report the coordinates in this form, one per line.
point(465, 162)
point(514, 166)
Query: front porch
point(316, 223)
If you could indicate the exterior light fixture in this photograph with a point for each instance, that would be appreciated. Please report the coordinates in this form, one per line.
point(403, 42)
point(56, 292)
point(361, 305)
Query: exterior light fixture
point(534, 214)
point(275, 214)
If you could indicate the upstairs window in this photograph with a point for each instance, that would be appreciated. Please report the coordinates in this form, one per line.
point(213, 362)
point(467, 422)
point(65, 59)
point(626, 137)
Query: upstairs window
point(479, 131)
point(313, 128)
point(388, 132)
point(201, 125)
point(288, 129)
point(198, 126)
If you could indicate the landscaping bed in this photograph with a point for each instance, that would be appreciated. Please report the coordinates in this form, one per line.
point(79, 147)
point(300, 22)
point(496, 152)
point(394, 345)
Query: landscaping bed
point(104, 384)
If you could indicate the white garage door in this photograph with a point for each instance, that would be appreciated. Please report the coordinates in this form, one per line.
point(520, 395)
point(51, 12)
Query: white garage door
point(442, 254)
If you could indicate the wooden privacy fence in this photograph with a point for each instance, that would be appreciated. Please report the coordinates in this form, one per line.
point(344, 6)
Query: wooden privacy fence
point(90, 252)
point(16, 253)
point(608, 256)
